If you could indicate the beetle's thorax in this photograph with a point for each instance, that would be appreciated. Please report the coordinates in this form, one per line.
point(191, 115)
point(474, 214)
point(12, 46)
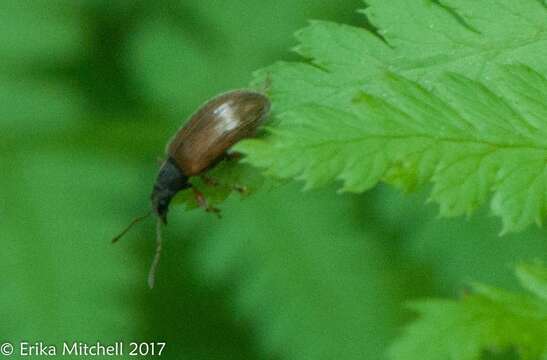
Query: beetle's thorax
point(169, 182)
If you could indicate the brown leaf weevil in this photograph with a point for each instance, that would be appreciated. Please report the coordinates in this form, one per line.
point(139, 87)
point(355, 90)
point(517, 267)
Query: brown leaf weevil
point(198, 146)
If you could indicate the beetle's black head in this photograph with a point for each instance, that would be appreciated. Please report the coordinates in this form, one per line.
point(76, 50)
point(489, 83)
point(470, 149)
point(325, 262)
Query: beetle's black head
point(169, 182)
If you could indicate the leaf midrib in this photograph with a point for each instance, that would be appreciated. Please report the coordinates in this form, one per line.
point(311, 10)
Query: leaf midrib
point(364, 138)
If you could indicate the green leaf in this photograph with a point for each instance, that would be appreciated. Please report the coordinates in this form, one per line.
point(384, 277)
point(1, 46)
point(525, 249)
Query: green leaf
point(467, 139)
point(470, 136)
point(420, 39)
point(488, 319)
point(221, 182)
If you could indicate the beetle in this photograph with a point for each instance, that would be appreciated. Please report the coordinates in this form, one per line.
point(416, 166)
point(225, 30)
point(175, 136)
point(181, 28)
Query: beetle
point(204, 140)
point(201, 143)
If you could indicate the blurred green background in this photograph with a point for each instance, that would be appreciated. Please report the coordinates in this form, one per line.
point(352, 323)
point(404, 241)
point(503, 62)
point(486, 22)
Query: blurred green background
point(90, 91)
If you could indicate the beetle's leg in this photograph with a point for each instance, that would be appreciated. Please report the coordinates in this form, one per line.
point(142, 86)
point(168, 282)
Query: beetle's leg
point(202, 202)
point(243, 190)
point(209, 180)
point(235, 156)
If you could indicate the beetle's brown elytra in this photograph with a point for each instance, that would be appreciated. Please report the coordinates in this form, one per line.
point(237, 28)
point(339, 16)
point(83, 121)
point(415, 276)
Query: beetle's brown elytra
point(203, 141)
point(197, 147)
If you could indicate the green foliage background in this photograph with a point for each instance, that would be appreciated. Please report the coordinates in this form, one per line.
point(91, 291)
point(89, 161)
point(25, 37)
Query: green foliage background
point(91, 90)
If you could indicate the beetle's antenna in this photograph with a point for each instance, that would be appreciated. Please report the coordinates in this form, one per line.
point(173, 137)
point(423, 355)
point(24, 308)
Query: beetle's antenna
point(157, 256)
point(133, 222)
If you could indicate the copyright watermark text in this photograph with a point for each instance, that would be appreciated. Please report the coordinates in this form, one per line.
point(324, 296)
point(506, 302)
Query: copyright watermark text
point(30, 349)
